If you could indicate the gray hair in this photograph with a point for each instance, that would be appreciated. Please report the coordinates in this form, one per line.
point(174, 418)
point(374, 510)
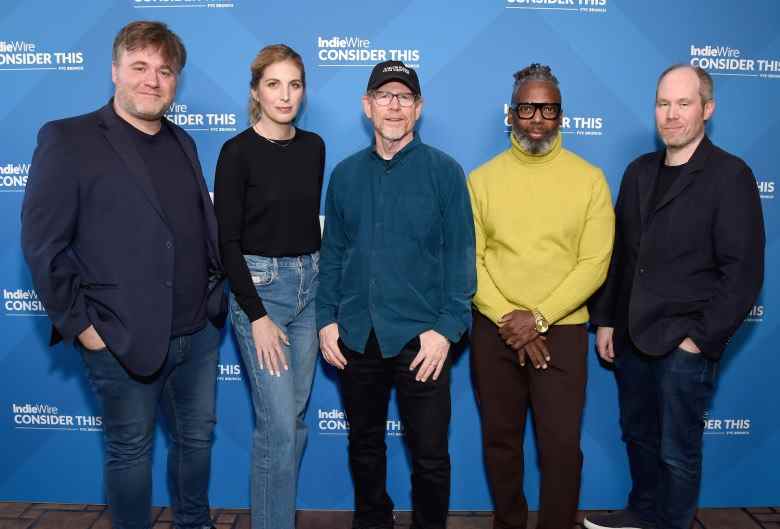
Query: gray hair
point(534, 72)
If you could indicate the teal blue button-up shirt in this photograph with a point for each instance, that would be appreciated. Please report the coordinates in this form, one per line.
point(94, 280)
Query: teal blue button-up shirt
point(398, 252)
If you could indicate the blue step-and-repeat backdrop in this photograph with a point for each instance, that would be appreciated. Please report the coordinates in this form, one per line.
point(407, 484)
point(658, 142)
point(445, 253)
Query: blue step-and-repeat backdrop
point(55, 58)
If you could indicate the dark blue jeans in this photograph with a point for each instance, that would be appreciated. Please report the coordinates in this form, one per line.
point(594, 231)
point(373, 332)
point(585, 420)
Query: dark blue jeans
point(662, 405)
point(185, 389)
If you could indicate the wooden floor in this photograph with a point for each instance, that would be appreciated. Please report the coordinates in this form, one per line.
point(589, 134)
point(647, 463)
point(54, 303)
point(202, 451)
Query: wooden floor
point(61, 516)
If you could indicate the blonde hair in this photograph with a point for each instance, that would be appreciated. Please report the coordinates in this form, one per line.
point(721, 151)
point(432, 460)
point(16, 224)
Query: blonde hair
point(266, 57)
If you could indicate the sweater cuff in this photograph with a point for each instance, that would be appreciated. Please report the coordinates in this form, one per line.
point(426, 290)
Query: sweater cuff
point(550, 312)
point(254, 311)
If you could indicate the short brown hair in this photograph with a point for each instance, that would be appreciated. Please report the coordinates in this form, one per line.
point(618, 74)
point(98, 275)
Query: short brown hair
point(144, 33)
point(265, 58)
point(706, 85)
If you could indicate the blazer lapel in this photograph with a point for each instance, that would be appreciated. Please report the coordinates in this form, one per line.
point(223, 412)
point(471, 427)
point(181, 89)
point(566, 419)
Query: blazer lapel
point(646, 185)
point(122, 143)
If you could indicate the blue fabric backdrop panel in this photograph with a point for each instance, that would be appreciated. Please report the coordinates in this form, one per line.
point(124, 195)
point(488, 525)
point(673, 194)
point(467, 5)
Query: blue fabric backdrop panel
point(55, 58)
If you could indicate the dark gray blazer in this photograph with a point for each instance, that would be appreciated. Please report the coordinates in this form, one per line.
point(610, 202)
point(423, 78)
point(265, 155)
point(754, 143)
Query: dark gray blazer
point(691, 265)
point(96, 240)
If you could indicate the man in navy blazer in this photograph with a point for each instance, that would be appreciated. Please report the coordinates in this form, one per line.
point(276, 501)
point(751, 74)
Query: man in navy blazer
point(120, 236)
point(687, 266)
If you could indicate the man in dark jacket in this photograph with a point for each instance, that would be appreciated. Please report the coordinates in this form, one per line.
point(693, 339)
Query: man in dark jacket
point(687, 266)
point(120, 236)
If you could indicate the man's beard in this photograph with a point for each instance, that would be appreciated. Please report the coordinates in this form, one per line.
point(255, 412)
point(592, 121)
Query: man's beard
point(531, 146)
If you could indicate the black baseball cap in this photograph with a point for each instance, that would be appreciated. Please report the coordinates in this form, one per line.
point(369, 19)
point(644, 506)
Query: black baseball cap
point(387, 71)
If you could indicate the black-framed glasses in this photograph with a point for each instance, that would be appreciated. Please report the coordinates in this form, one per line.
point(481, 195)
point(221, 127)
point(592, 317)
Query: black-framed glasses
point(383, 99)
point(528, 110)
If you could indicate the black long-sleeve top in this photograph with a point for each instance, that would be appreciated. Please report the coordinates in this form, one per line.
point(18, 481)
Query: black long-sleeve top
point(267, 199)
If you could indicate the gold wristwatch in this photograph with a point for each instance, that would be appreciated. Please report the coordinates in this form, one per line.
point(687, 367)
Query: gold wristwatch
point(540, 322)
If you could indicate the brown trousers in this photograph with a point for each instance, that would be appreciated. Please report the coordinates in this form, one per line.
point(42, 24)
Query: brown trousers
point(556, 396)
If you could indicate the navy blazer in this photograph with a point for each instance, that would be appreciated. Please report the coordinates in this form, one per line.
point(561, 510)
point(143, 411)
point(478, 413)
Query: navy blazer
point(690, 265)
point(97, 242)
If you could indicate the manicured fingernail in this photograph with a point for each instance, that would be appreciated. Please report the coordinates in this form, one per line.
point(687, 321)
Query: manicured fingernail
point(544, 366)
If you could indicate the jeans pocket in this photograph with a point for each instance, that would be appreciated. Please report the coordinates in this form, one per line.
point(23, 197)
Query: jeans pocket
point(261, 269)
point(261, 278)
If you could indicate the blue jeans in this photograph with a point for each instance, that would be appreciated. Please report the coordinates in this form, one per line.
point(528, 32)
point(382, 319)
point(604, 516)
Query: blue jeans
point(662, 405)
point(287, 286)
point(185, 389)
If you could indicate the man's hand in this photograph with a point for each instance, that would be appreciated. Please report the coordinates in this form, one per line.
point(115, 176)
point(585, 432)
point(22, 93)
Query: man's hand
point(91, 340)
point(268, 340)
point(431, 357)
point(329, 345)
point(689, 346)
point(517, 328)
point(604, 344)
point(536, 350)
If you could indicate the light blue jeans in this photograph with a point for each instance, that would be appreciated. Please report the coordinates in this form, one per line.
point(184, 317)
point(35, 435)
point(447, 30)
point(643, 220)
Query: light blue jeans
point(287, 286)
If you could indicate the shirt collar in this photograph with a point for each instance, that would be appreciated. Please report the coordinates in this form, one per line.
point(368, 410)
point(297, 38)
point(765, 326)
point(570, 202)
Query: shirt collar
point(400, 155)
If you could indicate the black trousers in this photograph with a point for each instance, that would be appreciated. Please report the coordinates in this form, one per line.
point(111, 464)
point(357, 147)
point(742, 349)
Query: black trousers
point(556, 396)
point(425, 414)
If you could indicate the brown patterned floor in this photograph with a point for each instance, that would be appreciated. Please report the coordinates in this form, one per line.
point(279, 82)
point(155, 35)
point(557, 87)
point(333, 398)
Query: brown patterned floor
point(67, 516)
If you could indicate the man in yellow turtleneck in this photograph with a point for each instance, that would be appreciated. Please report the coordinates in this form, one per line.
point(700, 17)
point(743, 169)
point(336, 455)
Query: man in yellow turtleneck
point(544, 231)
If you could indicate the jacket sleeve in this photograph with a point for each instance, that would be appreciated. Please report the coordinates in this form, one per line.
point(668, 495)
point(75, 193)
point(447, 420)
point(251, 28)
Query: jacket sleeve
point(601, 305)
point(49, 221)
point(739, 240)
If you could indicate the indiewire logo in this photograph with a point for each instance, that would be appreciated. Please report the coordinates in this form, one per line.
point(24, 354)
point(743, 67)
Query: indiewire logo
point(142, 4)
point(334, 422)
point(731, 426)
point(13, 176)
point(181, 115)
point(353, 51)
point(23, 55)
point(22, 302)
point(48, 417)
point(725, 60)
point(581, 6)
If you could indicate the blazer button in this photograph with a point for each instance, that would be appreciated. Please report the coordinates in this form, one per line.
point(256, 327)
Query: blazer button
point(642, 270)
point(168, 244)
point(169, 284)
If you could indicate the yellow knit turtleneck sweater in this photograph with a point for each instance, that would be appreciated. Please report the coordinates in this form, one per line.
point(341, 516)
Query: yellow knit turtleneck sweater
point(544, 231)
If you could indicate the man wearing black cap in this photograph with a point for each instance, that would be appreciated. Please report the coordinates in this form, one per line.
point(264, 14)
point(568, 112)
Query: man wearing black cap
point(397, 275)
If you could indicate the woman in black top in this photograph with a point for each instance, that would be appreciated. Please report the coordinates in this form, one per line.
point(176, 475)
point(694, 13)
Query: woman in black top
point(267, 197)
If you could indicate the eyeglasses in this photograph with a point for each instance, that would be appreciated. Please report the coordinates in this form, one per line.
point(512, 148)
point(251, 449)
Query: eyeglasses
point(528, 110)
point(383, 99)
